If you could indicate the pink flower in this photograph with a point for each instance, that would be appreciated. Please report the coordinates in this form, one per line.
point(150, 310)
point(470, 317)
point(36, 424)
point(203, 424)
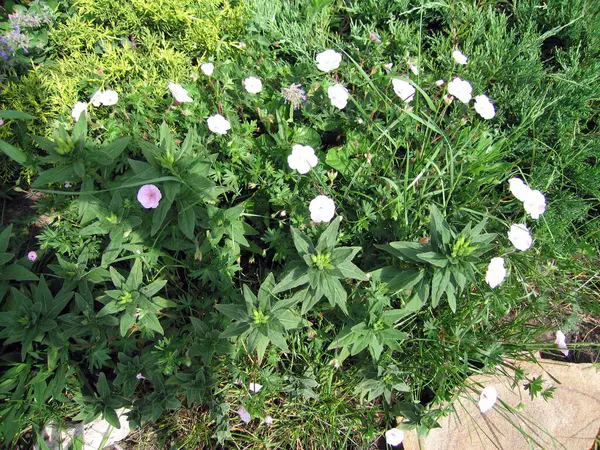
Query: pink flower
point(149, 196)
point(561, 341)
point(32, 256)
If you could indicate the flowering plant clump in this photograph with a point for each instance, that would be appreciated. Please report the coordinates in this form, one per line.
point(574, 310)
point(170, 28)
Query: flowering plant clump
point(307, 219)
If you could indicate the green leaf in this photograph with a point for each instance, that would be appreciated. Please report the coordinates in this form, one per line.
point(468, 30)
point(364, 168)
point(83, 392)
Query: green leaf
point(127, 321)
point(79, 168)
point(151, 321)
point(103, 388)
point(110, 415)
point(451, 297)
point(342, 254)
point(278, 340)
point(237, 312)
point(349, 270)
point(135, 278)
point(16, 272)
point(335, 292)
point(11, 114)
point(171, 189)
point(115, 148)
point(110, 308)
point(328, 238)
point(235, 329)
point(186, 219)
point(80, 131)
point(405, 280)
point(265, 292)
point(13, 152)
point(406, 251)
point(153, 288)
point(440, 231)
point(4, 238)
point(433, 258)
point(55, 175)
point(438, 285)
point(302, 243)
point(294, 278)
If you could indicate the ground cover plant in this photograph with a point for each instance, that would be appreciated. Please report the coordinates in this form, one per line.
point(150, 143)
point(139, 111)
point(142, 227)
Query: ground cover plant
point(268, 223)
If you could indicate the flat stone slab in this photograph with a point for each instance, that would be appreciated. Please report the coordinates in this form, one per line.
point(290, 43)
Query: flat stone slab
point(570, 420)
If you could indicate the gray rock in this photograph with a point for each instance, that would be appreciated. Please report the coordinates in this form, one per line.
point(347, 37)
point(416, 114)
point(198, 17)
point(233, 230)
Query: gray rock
point(97, 435)
point(570, 420)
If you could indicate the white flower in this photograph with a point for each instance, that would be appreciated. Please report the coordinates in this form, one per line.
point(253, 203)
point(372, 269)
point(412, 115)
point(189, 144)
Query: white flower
point(394, 437)
point(388, 67)
point(139, 376)
point(440, 83)
point(535, 204)
point(403, 89)
point(218, 124)
point(253, 85)
point(459, 57)
point(496, 272)
point(488, 399)
point(78, 109)
point(302, 158)
point(520, 237)
point(268, 420)
point(322, 209)
point(207, 68)
point(519, 189)
point(413, 68)
point(460, 89)
point(561, 341)
point(179, 93)
point(328, 60)
point(254, 387)
point(338, 95)
point(484, 107)
point(244, 414)
point(106, 98)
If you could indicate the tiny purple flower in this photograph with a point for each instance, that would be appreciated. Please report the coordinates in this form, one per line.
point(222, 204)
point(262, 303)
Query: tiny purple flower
point(269, 420)
point(32, 256)
point(139, 376)
point(244, 414)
